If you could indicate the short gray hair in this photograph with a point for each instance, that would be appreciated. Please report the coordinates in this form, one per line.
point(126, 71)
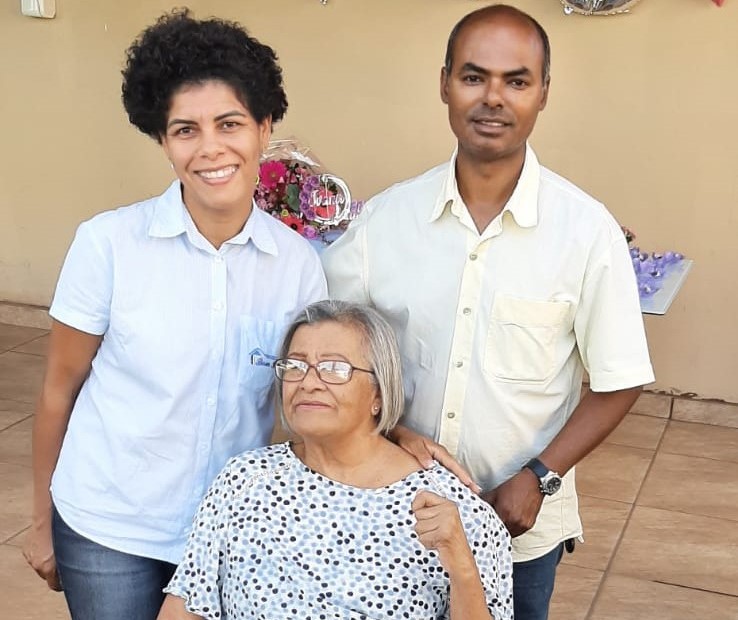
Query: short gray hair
point(383, 352)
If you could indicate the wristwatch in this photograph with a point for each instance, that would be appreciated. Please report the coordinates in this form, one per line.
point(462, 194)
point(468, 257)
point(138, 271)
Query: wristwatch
point(548, 481)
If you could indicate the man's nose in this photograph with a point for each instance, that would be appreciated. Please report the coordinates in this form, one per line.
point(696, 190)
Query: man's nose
point(494, 94)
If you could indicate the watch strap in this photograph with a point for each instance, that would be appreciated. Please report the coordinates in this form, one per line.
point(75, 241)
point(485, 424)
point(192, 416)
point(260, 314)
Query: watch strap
point(538, 468)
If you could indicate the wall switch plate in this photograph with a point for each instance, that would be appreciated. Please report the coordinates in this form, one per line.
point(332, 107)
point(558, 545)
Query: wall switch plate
point(39, 8)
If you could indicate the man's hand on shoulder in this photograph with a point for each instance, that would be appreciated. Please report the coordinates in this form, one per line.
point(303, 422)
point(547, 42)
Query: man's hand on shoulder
point(517, 501)
point(425, 450)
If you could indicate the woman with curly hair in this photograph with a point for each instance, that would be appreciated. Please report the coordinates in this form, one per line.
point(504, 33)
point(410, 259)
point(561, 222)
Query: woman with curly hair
point(166, 318)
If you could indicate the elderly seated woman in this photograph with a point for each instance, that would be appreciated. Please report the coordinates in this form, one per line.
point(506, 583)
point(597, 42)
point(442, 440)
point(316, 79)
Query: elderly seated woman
point(342, 523)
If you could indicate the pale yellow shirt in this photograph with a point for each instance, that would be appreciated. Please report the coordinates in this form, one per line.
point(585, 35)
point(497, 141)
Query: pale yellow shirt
point(496, 328)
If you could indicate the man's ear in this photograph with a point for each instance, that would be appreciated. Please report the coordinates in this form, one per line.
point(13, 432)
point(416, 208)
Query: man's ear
point(544, 96)
point(444, 85)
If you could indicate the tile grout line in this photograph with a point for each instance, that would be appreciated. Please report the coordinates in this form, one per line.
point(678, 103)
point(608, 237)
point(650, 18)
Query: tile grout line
point(5, 428)
point(24, 342)
point(18, 533)
point(681, 585)
point(616, 547)
point(690, 514)
point(14, 352)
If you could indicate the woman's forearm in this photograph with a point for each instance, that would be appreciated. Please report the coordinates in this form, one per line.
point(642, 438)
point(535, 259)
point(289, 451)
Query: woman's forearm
point(70, 357)
point(468, 601)
point(49, 427)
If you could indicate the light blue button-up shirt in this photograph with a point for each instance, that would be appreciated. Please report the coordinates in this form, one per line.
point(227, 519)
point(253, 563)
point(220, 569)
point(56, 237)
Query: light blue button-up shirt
point(182, 379)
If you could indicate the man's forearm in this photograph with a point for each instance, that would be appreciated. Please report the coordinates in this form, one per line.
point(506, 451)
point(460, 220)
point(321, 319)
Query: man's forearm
point(594, 418)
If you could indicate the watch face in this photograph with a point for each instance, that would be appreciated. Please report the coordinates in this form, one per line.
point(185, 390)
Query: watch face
point(552, 485)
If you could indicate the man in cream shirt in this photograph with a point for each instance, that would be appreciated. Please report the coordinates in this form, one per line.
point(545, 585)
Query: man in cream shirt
point(503, 282)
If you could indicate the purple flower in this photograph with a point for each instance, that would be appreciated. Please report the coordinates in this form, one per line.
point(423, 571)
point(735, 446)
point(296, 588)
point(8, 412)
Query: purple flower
point(356, 207)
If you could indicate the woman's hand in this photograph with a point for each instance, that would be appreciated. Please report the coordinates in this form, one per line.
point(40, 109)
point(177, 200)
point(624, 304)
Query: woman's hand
point(425, 450)
point(439, 527)
point(39, 553)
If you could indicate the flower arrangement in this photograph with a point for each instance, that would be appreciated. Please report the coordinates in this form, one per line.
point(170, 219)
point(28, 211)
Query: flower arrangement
point(650, 269)
point(293, 188)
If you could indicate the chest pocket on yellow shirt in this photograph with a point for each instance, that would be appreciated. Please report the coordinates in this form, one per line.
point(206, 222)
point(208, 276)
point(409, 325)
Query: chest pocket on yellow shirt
point(521, 340)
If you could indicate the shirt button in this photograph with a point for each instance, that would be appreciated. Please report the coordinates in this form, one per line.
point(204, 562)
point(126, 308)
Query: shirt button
point(451, 415)
point(467, 311)
point(211, 401)
point(218, 305)
point(218, 259)
point(473, 256)
point(459, 364)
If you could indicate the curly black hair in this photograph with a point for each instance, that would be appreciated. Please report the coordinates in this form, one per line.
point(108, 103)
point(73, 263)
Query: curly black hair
point(179, 49)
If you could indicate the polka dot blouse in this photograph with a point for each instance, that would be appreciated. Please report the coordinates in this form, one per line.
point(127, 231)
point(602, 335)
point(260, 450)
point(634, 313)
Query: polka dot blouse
point(274, 540)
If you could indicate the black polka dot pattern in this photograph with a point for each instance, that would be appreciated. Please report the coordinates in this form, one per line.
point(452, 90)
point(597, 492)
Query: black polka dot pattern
point(274, 540)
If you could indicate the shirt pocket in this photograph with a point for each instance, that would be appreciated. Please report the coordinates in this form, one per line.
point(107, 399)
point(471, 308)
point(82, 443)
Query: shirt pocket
point(521, 339)
point(259, 342)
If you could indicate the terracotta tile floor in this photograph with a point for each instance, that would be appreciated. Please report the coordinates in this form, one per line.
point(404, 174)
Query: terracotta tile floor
point(659, 502)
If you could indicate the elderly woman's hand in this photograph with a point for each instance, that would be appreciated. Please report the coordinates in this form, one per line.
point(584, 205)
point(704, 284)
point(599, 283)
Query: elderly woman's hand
point(439, 527)
point(425, 450)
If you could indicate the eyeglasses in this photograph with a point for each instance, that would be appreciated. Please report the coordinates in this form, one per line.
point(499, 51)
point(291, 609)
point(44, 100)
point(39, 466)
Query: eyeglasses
point(334, 372)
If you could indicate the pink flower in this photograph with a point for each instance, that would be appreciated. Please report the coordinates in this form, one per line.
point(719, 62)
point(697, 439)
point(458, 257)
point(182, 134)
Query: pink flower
point(272, 173)
point(309, 232)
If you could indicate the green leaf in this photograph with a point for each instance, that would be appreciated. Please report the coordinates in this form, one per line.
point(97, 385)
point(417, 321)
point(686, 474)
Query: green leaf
point(293, 198)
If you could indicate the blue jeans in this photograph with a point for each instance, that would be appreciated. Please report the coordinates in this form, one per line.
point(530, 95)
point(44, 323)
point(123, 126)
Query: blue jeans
point(533, 583)
point(103, 584)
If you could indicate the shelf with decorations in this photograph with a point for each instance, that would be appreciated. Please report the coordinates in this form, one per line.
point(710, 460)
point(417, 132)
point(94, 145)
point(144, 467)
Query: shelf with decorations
point(660, 275)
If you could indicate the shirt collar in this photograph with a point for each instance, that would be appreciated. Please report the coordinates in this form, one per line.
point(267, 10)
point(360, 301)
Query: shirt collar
point(257, 229)
point(168, 219)
point(522, 205)
point(171, 219)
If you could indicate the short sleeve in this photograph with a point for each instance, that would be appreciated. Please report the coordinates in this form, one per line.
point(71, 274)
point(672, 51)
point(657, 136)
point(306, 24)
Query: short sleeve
point(609, 325)
point(490, 544)
point(198, 578)
point(313, 286)
point(84, 289)
point(345, 263)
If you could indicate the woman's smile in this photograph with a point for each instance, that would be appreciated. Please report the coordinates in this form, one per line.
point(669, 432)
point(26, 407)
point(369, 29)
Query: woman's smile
point(218, 176)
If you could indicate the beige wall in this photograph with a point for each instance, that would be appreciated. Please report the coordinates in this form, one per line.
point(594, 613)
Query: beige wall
point(643, 114)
